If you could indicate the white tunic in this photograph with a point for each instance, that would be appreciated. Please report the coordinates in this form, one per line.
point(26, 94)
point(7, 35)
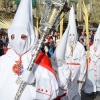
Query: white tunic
point(63, 78)
point(46, 85)
point(93, 73)
point(77, 65)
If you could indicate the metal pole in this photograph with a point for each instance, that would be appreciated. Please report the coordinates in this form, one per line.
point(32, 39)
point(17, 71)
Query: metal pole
point(61, 24)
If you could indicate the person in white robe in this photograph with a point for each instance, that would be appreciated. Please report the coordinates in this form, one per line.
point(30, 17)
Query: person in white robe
point(93, 74)
point(41, 81)
point(76, 60)
point(61, 68)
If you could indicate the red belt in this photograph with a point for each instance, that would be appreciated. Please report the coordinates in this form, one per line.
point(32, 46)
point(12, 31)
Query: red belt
point(73, 63)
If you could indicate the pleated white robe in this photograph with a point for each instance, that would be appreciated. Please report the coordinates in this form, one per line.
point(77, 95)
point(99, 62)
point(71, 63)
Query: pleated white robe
point(77, 65)
point(93, 73)
point(63, 78)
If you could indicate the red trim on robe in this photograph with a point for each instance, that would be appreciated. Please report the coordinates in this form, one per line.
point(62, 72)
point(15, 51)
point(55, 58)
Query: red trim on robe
point(45, 62)
point(73, 63)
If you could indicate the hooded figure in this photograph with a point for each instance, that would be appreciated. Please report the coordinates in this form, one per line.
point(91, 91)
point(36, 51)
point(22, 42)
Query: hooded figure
point(60, 66)
point(76, 60)
point(13, 65)
point(93, 74)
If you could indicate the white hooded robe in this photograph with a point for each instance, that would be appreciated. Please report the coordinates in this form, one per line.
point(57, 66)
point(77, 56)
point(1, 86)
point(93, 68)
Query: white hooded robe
point(93, 73)
point(46, 86)
point(76, 60)
point(61, 68)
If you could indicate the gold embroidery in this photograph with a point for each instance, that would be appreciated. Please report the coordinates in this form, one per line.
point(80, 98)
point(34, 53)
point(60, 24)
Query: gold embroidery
point(71, 50)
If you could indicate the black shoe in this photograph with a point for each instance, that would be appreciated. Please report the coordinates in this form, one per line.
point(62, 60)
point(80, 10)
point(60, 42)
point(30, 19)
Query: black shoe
point(89, 94)
point(94, 94)
point(98, 93)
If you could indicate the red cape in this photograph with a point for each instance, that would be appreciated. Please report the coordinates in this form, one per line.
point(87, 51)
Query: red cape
point(45, 62)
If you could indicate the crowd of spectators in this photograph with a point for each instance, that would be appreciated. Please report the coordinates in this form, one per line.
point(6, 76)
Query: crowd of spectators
point(3, 43)
point(50, 43)
point(83, 38)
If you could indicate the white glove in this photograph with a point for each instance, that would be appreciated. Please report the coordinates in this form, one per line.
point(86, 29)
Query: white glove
point(28, 77)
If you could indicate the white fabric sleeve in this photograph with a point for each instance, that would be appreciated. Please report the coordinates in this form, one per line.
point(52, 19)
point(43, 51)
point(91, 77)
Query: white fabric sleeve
point(82, 66)
point(63, 76)
point(55, 90)
point(28, 77)
point(46, 89)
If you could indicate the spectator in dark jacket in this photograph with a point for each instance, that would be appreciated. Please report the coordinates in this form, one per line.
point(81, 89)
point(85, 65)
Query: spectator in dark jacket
point(1, 48)
point(91, 36)
point(51, 45)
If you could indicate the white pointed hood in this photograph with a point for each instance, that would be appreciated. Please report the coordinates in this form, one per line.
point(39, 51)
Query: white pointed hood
point(59, 54)
point(72, 38)
point(95, 47)
point(22, 24)
point(72, 35)
point(96, 42)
